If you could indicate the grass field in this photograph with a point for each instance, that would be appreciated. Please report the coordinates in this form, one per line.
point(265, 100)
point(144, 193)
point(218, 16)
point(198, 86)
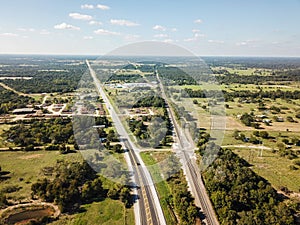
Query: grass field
point(25, 168)
point(107, 212)
point(150, 159)
point(273, 168)
point(3, 143)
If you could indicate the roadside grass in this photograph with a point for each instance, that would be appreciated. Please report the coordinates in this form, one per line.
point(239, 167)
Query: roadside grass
point(107, 212)
point(151, 159)
point(26, 168)
point(272, 167)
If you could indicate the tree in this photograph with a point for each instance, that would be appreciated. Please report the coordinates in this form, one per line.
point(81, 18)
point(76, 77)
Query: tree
point(256, 133)
point(247, 119)
point(117, 148)
point(264, 134)
point(3, 200)
point(290, 119)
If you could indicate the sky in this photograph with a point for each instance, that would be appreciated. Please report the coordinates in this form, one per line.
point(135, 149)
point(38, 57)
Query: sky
point(203, 27)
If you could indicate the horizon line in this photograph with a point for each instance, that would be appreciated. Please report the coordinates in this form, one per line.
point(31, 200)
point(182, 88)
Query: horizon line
point(101, 55)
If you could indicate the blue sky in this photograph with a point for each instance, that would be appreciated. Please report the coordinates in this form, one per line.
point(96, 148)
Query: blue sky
point(205, 27)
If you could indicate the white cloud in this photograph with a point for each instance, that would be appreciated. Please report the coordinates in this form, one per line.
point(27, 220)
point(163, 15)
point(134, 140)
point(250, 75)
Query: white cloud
point(123, 23)
point(93, 22)
point(275, 43)
point(174, 29)
point(243, 43)
point(103, 7)
point(195, 31)
point(159, 27)
point(88, 37)
point(198, 21)
point(64, 26)
point(87, 6)
point(160, 36)
point(216, 41)
point(78, 16)
point(189, 39)
point(197, 35)
point(131, 37)
point(105, 32)
point(247, 42)
point(25, 29)
point(44, 32)
point(9, 35)
point(168, 40)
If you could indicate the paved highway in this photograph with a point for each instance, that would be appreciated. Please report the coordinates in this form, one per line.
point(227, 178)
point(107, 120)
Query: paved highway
point(184, 148)
point(147, 210)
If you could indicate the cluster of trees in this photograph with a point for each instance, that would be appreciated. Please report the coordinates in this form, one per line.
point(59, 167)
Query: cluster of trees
point(49, 81)
point(10, 100)
point(242, 197)
point(243, 94)
point(74, 184)
point(176, 76)
point(41, 132)
point(249, 120)
point(150, 101)
point(155, 130)
point(126, 78)
point(156, 133)
point(254, 79)
point(254, 62)
point(87, 135)
point(252, 139)
point(262, 94)
point(181, 199)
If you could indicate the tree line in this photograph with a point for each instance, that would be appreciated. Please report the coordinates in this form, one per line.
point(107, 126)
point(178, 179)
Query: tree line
point(10, 101)
point(240, 196)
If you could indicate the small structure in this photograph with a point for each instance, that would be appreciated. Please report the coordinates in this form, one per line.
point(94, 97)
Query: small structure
point(23, 111)
point(279, 119)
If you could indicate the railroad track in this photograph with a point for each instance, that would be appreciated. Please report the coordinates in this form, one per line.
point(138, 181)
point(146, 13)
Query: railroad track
point(195, 179)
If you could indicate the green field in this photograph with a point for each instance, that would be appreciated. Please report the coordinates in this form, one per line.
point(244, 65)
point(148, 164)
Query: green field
point(107, 212)
point(26, 168)
point(272, 167)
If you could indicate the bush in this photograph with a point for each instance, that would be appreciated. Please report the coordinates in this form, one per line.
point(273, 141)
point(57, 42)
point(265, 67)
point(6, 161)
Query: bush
point(264, 134)
point(292, 167)
point(297, 162)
